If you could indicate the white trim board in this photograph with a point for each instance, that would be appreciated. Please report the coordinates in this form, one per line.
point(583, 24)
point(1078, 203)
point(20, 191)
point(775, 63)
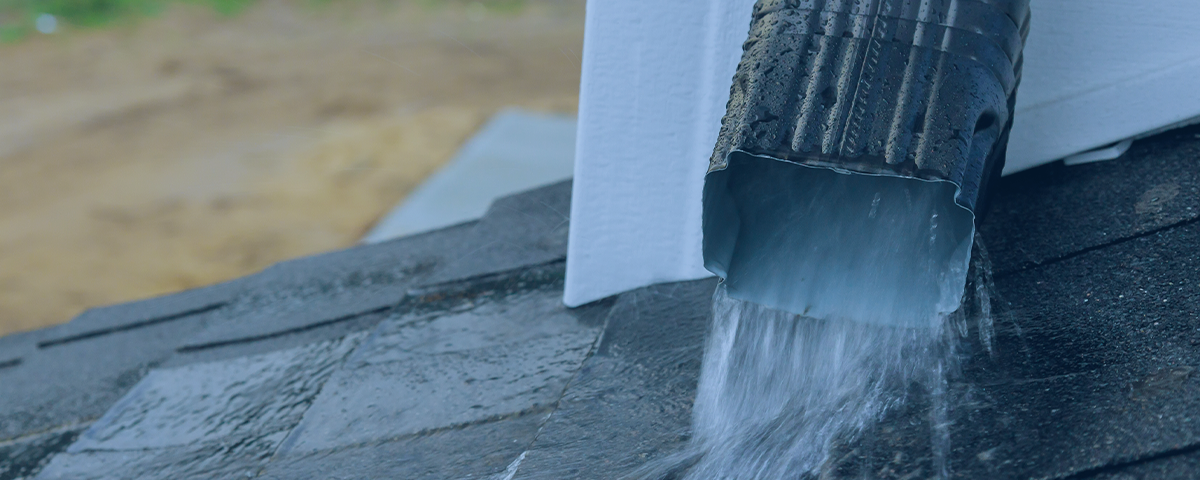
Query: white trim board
point(656, 77)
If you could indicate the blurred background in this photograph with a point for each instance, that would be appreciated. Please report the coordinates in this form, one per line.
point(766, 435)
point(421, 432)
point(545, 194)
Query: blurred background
point(150, 146)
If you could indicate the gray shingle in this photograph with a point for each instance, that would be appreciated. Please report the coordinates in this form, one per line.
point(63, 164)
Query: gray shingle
point(488, 359)
point(1075, 385)
point(481, 451)
point(15, 347)
point(1095, 374)
point(75, 382)
point(1102, 368)
point(632, 401)
point(1054, 211)
point(1134, 302)
point(283, 316)
point(203, 420)
point(1182, 465)
point(1049, 428)
point(309, 292)
point(1059, 426)
point(193, 462)
point(25, 457)
point(520, 230)
point(281, 341)
point(132, 315)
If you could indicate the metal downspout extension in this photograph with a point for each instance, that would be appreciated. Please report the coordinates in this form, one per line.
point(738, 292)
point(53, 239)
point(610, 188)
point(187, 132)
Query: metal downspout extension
point(856, 154)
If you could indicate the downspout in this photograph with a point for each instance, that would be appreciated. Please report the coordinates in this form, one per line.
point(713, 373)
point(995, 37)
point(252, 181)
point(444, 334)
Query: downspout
point(856, 155)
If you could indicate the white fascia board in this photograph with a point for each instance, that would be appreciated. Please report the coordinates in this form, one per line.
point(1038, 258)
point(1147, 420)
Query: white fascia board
point(656, 78)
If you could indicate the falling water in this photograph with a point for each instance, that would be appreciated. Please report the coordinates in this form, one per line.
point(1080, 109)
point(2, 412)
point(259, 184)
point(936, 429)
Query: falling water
point(842, 299)
point(778, 391)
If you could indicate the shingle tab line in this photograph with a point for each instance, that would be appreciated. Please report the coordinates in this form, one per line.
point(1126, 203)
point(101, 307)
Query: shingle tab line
point(131, 326)
point(280, 333)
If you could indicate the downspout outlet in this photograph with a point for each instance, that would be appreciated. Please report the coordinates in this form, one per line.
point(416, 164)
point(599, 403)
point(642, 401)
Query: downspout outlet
point(856, 155)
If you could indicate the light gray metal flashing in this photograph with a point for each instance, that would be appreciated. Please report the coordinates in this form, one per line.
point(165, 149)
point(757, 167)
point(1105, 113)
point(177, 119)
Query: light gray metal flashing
point(1110, 152)
point(515, 151)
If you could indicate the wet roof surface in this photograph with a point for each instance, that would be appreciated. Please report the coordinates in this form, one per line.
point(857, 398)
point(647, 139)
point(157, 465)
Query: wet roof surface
point(449, 355)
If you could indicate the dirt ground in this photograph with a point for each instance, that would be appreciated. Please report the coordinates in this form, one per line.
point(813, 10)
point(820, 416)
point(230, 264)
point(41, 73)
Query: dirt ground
point(190, 149)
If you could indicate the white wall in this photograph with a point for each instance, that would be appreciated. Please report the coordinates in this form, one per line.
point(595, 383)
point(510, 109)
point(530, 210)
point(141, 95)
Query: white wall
point(1099, 71)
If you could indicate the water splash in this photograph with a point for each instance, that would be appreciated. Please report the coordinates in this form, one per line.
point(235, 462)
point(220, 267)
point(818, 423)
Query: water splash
point(779, 392)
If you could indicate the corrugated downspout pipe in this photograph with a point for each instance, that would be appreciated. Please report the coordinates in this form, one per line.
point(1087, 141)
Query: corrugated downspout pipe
point(857, 151)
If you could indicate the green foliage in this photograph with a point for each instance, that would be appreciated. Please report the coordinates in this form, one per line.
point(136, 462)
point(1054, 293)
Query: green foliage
point(11, 33)
point(224, 7)
point(17, 17)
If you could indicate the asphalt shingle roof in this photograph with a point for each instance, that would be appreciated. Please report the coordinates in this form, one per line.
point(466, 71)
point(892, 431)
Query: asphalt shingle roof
point(449, 355)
